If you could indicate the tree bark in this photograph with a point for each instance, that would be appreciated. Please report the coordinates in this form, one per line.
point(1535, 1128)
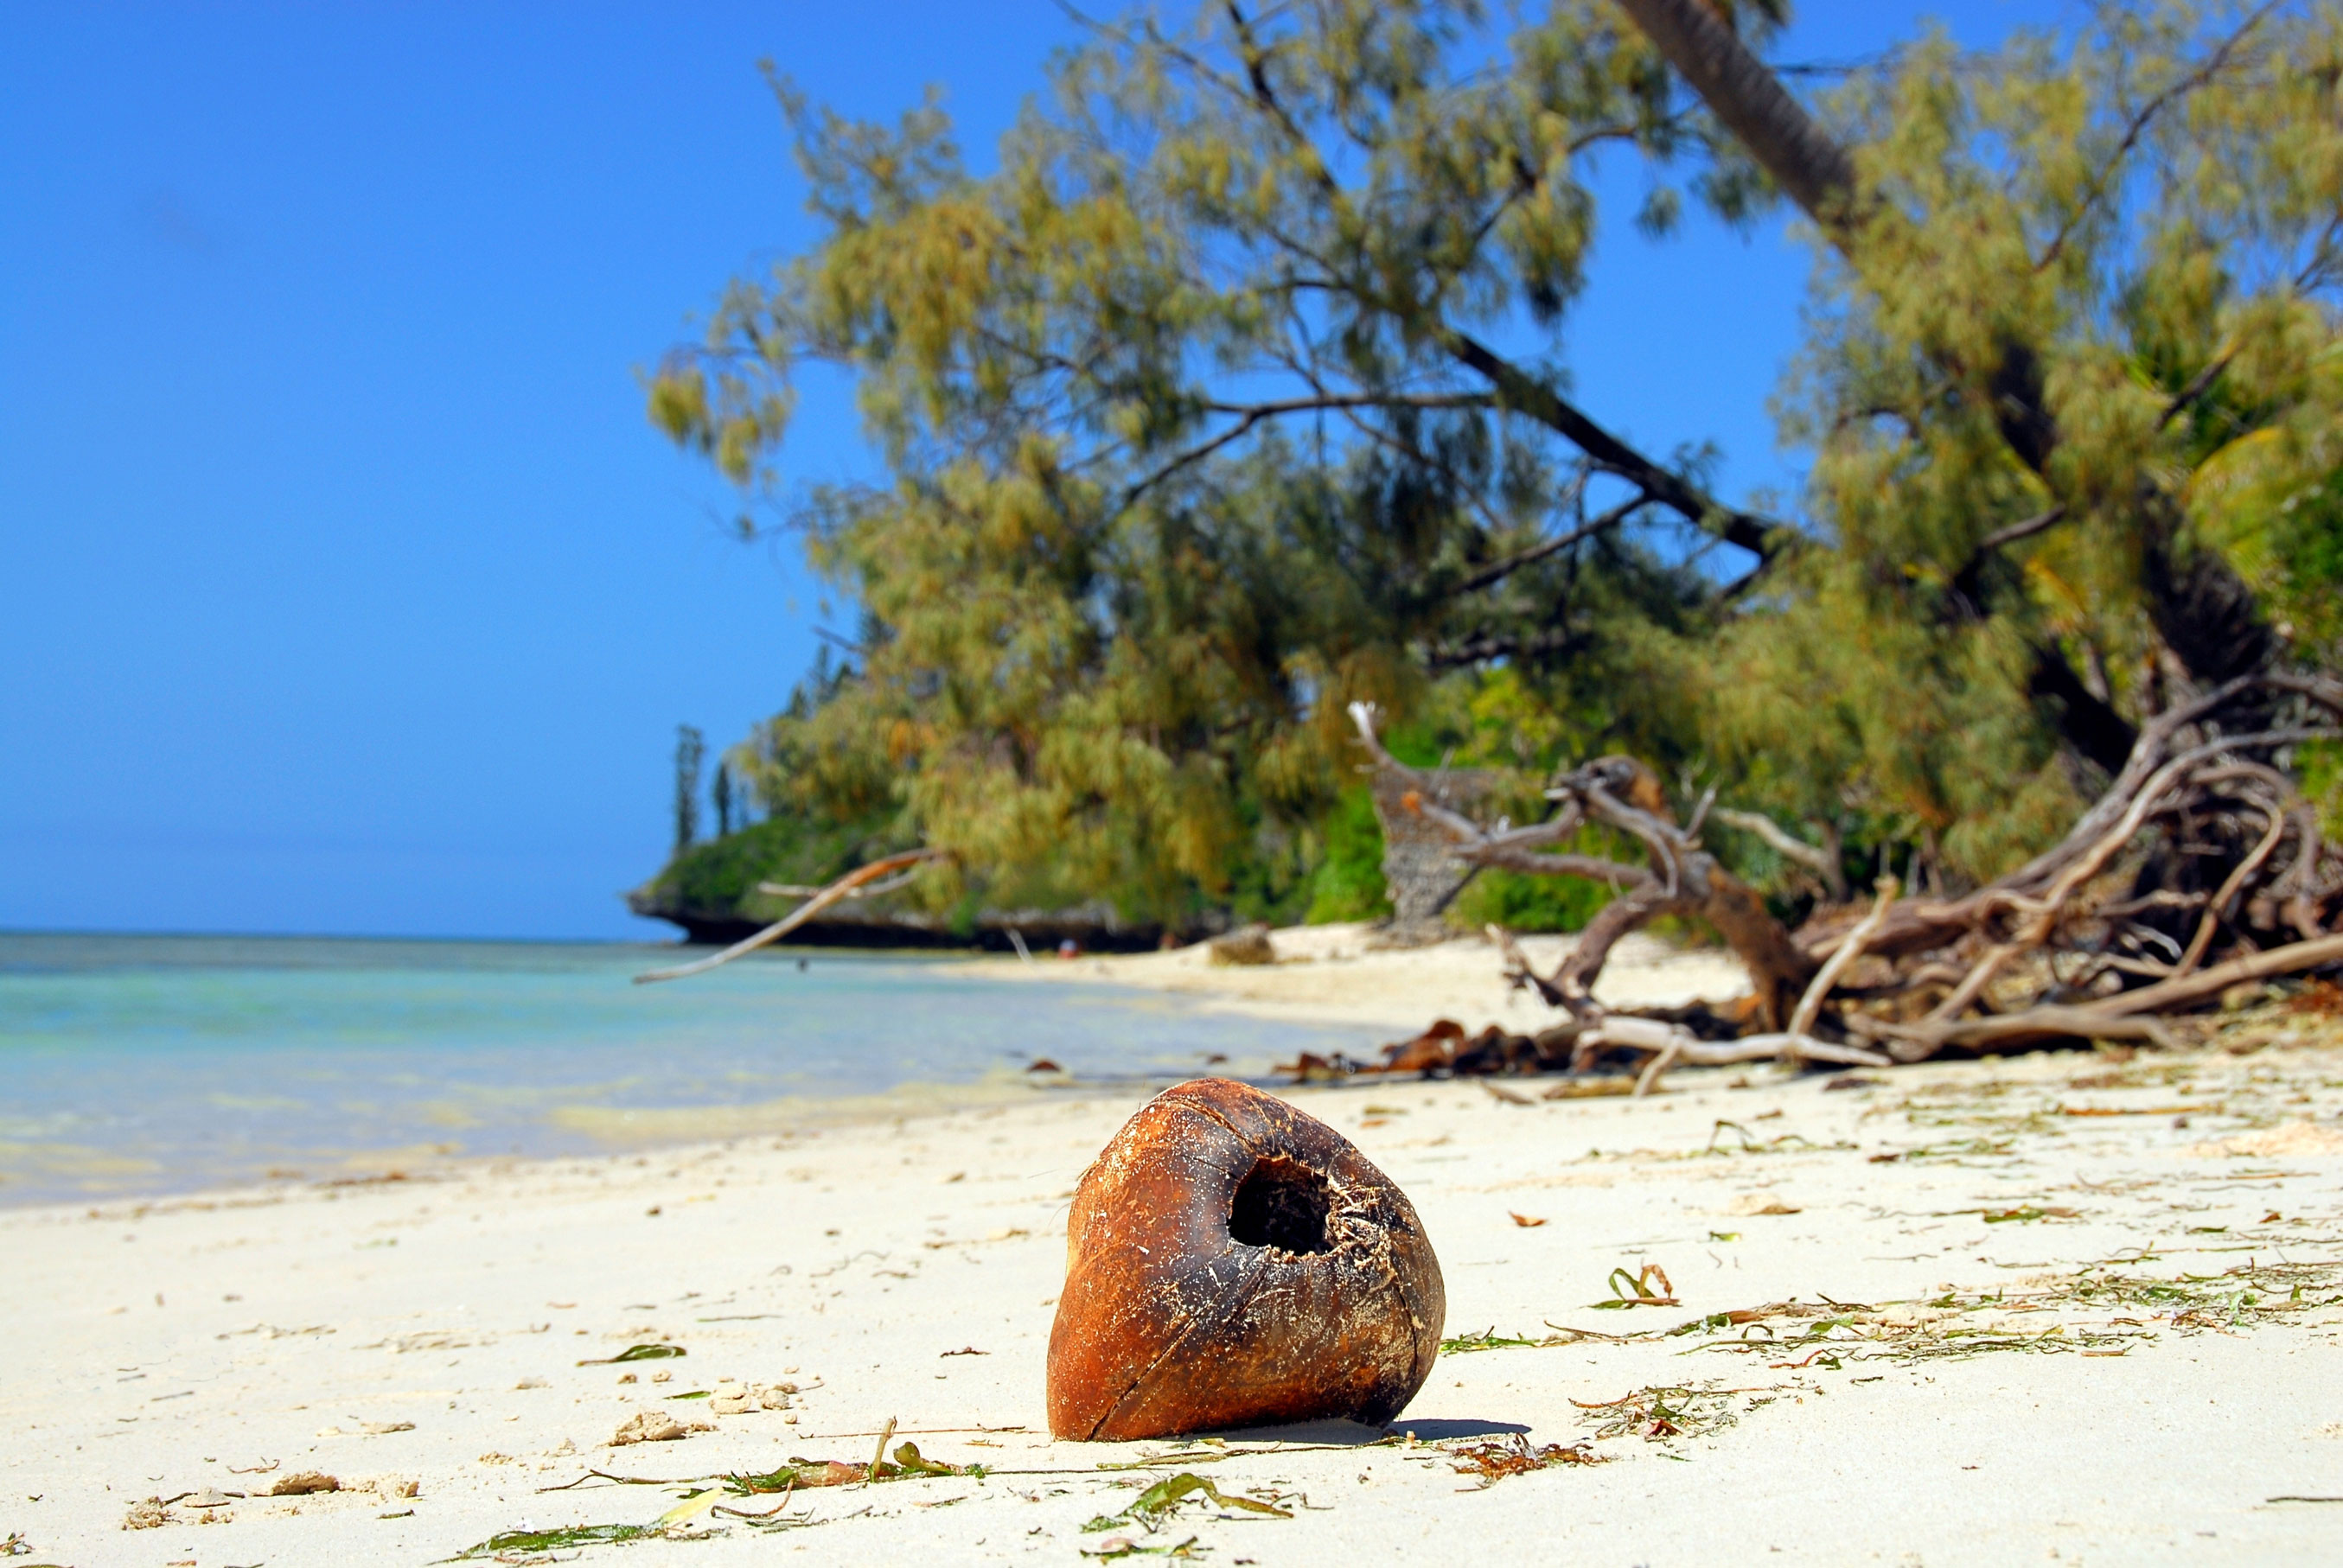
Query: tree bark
point(2206, 613)
point(1811, 169)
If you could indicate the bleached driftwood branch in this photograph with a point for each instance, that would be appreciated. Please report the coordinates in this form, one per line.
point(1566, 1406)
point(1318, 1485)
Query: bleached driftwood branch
point(844, 888)
point(1815, 857)
point(804, 891)
point(1679, 877)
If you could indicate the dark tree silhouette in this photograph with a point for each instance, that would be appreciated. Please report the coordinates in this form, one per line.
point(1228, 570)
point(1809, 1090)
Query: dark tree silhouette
point(689, 747)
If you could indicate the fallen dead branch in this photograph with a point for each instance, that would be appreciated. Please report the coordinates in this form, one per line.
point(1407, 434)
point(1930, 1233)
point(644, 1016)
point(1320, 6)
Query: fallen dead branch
point(1822, 859)
point(1810, 1005)
point(846, 887)
point(2202, 868)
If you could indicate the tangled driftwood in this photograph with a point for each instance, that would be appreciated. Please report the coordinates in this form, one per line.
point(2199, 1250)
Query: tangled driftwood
point(2202, 867)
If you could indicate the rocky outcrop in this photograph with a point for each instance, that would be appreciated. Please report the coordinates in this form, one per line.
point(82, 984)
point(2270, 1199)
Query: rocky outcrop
point(1092, 927)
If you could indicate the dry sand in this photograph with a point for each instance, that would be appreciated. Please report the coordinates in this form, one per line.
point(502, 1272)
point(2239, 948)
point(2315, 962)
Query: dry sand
point(2032, 1335)
point(1331, 974)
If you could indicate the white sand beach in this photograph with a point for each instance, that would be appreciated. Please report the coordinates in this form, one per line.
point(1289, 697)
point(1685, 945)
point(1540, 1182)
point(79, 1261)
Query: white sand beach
point(2060, 1308)
point(1332, 973)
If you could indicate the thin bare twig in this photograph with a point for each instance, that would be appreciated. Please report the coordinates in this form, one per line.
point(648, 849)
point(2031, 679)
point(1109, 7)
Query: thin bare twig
point(2138, 128)
point(1538, 552)
point(1815, 859)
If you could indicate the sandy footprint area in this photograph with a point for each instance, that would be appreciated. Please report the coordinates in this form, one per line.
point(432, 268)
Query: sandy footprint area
point(2060, 1308)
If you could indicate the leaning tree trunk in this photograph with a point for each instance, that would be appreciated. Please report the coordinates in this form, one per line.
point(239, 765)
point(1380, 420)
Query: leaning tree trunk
point(1811, 169)
point(2206, 613)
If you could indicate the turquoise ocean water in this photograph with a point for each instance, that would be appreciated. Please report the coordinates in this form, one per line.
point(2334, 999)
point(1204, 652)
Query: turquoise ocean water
point(136, 1064)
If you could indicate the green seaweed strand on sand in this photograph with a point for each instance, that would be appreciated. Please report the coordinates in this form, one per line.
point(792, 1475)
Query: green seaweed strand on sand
point(635, 1353)
point(1491, 1340)
point(510, 1541)
point(1148, 1508)
point(909, 1462)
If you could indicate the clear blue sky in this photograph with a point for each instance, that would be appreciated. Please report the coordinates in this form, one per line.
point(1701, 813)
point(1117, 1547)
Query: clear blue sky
point(343, 586)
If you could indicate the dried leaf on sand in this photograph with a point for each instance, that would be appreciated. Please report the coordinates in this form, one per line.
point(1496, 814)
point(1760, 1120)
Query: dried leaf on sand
point(1635, 1289)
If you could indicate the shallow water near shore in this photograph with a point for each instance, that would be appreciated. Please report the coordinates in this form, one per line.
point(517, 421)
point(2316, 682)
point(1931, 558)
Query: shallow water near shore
point(151, 1064)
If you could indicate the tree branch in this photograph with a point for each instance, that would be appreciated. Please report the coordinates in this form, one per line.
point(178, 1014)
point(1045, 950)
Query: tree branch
point(1818, 990)
point(1526, 395)
point(1536, 553)
point(2199, 385)
point(1683, 878)
point(1323, 401)
point(1969, 581)
point(2138, 128)
point(1819, 860)
point(841, 888)
point(1487, 646)
point(1257, 75)
point(1252, 413)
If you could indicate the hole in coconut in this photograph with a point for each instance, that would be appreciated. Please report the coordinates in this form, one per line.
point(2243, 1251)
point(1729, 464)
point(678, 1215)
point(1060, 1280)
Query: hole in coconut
point(1281, 1204)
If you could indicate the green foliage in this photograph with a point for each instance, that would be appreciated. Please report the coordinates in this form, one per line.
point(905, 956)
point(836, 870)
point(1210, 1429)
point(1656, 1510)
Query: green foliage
point(1348, 884)
point(689, 748)
point(2134, 227)
point(2283, 529)
point(1525, 903)
point(1187, 446)
point(505, 1543)
point(1228, 400)
point(2322, 783)
point(1151, 1507)
point(723, 874)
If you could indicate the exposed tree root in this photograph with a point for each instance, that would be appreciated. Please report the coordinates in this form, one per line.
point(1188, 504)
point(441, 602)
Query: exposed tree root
point(2203, 847)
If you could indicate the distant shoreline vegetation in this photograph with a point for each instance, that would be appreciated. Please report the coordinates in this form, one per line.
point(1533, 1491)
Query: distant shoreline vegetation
point(720, 890)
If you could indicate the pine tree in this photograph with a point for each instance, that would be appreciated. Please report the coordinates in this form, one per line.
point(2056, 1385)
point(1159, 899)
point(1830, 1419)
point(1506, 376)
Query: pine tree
point(689, 747)
point(2074, 393)
point(1231, 398)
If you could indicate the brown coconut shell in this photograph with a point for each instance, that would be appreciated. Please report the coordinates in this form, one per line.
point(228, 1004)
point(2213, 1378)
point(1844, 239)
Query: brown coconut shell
point(1233, 1261)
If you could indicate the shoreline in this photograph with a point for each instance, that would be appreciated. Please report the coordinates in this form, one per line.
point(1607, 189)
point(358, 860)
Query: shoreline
point(132, 1076)
point(1329, 992)
point(431, 1332)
